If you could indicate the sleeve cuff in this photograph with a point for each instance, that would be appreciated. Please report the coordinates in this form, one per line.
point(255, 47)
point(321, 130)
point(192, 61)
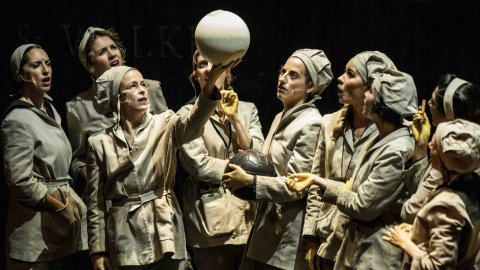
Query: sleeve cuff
point(332, 192)
point(39, 194)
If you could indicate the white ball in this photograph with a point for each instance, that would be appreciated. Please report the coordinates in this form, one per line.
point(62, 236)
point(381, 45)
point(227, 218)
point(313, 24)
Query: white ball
point(222, 37)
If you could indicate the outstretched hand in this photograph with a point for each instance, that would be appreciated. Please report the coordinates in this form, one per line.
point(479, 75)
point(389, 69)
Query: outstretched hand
point(300, 181)
point(215, 73)
point(398, 236)
point(237, 178)
point(421, 125)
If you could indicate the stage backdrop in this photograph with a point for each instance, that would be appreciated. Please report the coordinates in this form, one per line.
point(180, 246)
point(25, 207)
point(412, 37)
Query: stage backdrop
point(423, 38)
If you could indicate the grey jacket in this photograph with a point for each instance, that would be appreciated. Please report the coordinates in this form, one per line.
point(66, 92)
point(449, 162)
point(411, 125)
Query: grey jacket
point(277, 235)
point(91, 112)
point(145, 220)
point(37, 158)
point(373, 202)
point(322, 219)
point(218, 218)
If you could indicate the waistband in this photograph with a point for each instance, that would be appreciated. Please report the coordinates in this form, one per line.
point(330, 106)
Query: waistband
point(139, 200)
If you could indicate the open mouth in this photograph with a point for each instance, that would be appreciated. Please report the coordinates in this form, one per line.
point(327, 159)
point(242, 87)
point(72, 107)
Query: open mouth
point(114, 63)
point(46, 81)
point(281, 87)
point(143, 99)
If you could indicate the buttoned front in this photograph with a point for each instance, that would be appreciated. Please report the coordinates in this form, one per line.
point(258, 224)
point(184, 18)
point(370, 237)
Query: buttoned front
point(145, 220)
point(217, 218)
point(322, 219)
point(373, 203)
point(91, 112)
point(277, 234)
point(37, 158)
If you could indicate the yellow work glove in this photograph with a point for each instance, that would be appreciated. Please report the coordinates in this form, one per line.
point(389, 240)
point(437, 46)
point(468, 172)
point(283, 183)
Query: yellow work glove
point(347, 184)
point(229, 102)
point(421, 131)
point(100, 261)
point(312, 258)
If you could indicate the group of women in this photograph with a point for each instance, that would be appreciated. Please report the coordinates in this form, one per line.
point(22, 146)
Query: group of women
point(354, 189)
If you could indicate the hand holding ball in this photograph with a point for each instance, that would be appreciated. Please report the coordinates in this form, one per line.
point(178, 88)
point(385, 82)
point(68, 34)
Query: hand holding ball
point(222, 37)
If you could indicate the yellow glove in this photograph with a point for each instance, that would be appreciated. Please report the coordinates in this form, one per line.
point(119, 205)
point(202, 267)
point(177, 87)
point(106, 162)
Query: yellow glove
point(100, 261)
point(347, 184)
point(421, 131)
point(312, 258)
point(229, 102)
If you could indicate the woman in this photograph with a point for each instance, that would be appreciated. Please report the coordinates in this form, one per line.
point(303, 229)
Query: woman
point(276, 241)
point(453, 98)
point(133, 164)
point(37, 158)
point(341, 138)
point(92, 110)
point(371, 201)
point(217, 223)
point(444, 234)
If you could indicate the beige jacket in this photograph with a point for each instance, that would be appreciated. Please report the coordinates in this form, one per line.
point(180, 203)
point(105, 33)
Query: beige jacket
point(322, 219)
point(446, 229)
point(91, 112)
point(218, 218)
point(373, 202)
point(37, 158)
point(277, 239)
point(145, 220)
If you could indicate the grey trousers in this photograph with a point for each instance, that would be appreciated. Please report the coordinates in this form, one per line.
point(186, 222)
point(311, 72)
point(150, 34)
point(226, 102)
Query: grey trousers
point(227, 257)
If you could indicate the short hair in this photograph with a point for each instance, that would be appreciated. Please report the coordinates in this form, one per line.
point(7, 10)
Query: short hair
point(110, 32)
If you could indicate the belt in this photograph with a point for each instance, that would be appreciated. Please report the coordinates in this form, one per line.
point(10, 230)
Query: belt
point(61, 181)
point(206, 187)
point(138, 200)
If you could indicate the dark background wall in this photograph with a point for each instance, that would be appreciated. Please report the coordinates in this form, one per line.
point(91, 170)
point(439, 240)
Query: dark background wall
point(424, 38)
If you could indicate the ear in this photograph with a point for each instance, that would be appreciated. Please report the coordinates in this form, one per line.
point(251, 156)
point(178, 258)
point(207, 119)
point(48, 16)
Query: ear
point(309, 88)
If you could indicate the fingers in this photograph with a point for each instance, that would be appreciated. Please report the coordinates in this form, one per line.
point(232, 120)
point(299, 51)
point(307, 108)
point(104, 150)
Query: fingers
point(422, 108)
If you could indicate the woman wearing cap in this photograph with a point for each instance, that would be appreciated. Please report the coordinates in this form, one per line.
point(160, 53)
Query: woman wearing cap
point(453, 98)
point(276, 241)
point(46, 220)
point(133, 164)
point(233, 126)
point(371, 200)
point(92, 110)
point(444, 234)
point(341, 138)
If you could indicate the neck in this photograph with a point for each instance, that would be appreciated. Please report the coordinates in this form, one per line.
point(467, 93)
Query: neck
point(384, 128)
point(132, 121)
point(34, 98)
point(293, 104)
point(359, 121)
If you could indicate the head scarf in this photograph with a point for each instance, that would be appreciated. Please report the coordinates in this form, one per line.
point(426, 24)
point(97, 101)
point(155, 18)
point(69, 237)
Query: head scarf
point(108, 87)
point(82, 47)
point(458, 145)
point(371, 64)
point(398, 92)
point(318, 66)
point(17, 59)
point(448, 97)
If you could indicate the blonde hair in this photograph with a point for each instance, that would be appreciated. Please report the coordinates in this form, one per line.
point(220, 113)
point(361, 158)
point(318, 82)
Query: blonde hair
point(338, 130)
point(193, 76)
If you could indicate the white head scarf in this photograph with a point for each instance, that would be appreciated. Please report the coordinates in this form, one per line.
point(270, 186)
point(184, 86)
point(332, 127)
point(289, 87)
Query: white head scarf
point(398, 92)
point(448, 97)
point(82, 47)
point(458, 145)
point(318, 66)
point(371, 64)
point(17, 59)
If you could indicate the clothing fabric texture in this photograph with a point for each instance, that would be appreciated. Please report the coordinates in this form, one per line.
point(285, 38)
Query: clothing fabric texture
point(217, 217)
point(276, 239)
point(373, 202)
point(446, 229)
point(37, 158)
point(92, 111)
point(322, 219)
point(144, 222)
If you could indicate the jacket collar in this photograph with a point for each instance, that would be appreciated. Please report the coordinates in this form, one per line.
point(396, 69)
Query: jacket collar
point(373, 144)
point(17, 103)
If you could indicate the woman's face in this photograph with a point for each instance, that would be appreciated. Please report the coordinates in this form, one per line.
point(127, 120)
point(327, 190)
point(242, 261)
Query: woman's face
point(368, 102)
point(292, 84)
point(37, 71)
point(107, 55)
point(434, 157)
point(351, 87)
point(437, 117)
point(134, 91)
point(203, 68)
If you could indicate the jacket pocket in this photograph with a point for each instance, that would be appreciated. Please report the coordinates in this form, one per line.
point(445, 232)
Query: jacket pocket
point(62, 225)
point(274, 227)
point(219, 215)
point(117, 229)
